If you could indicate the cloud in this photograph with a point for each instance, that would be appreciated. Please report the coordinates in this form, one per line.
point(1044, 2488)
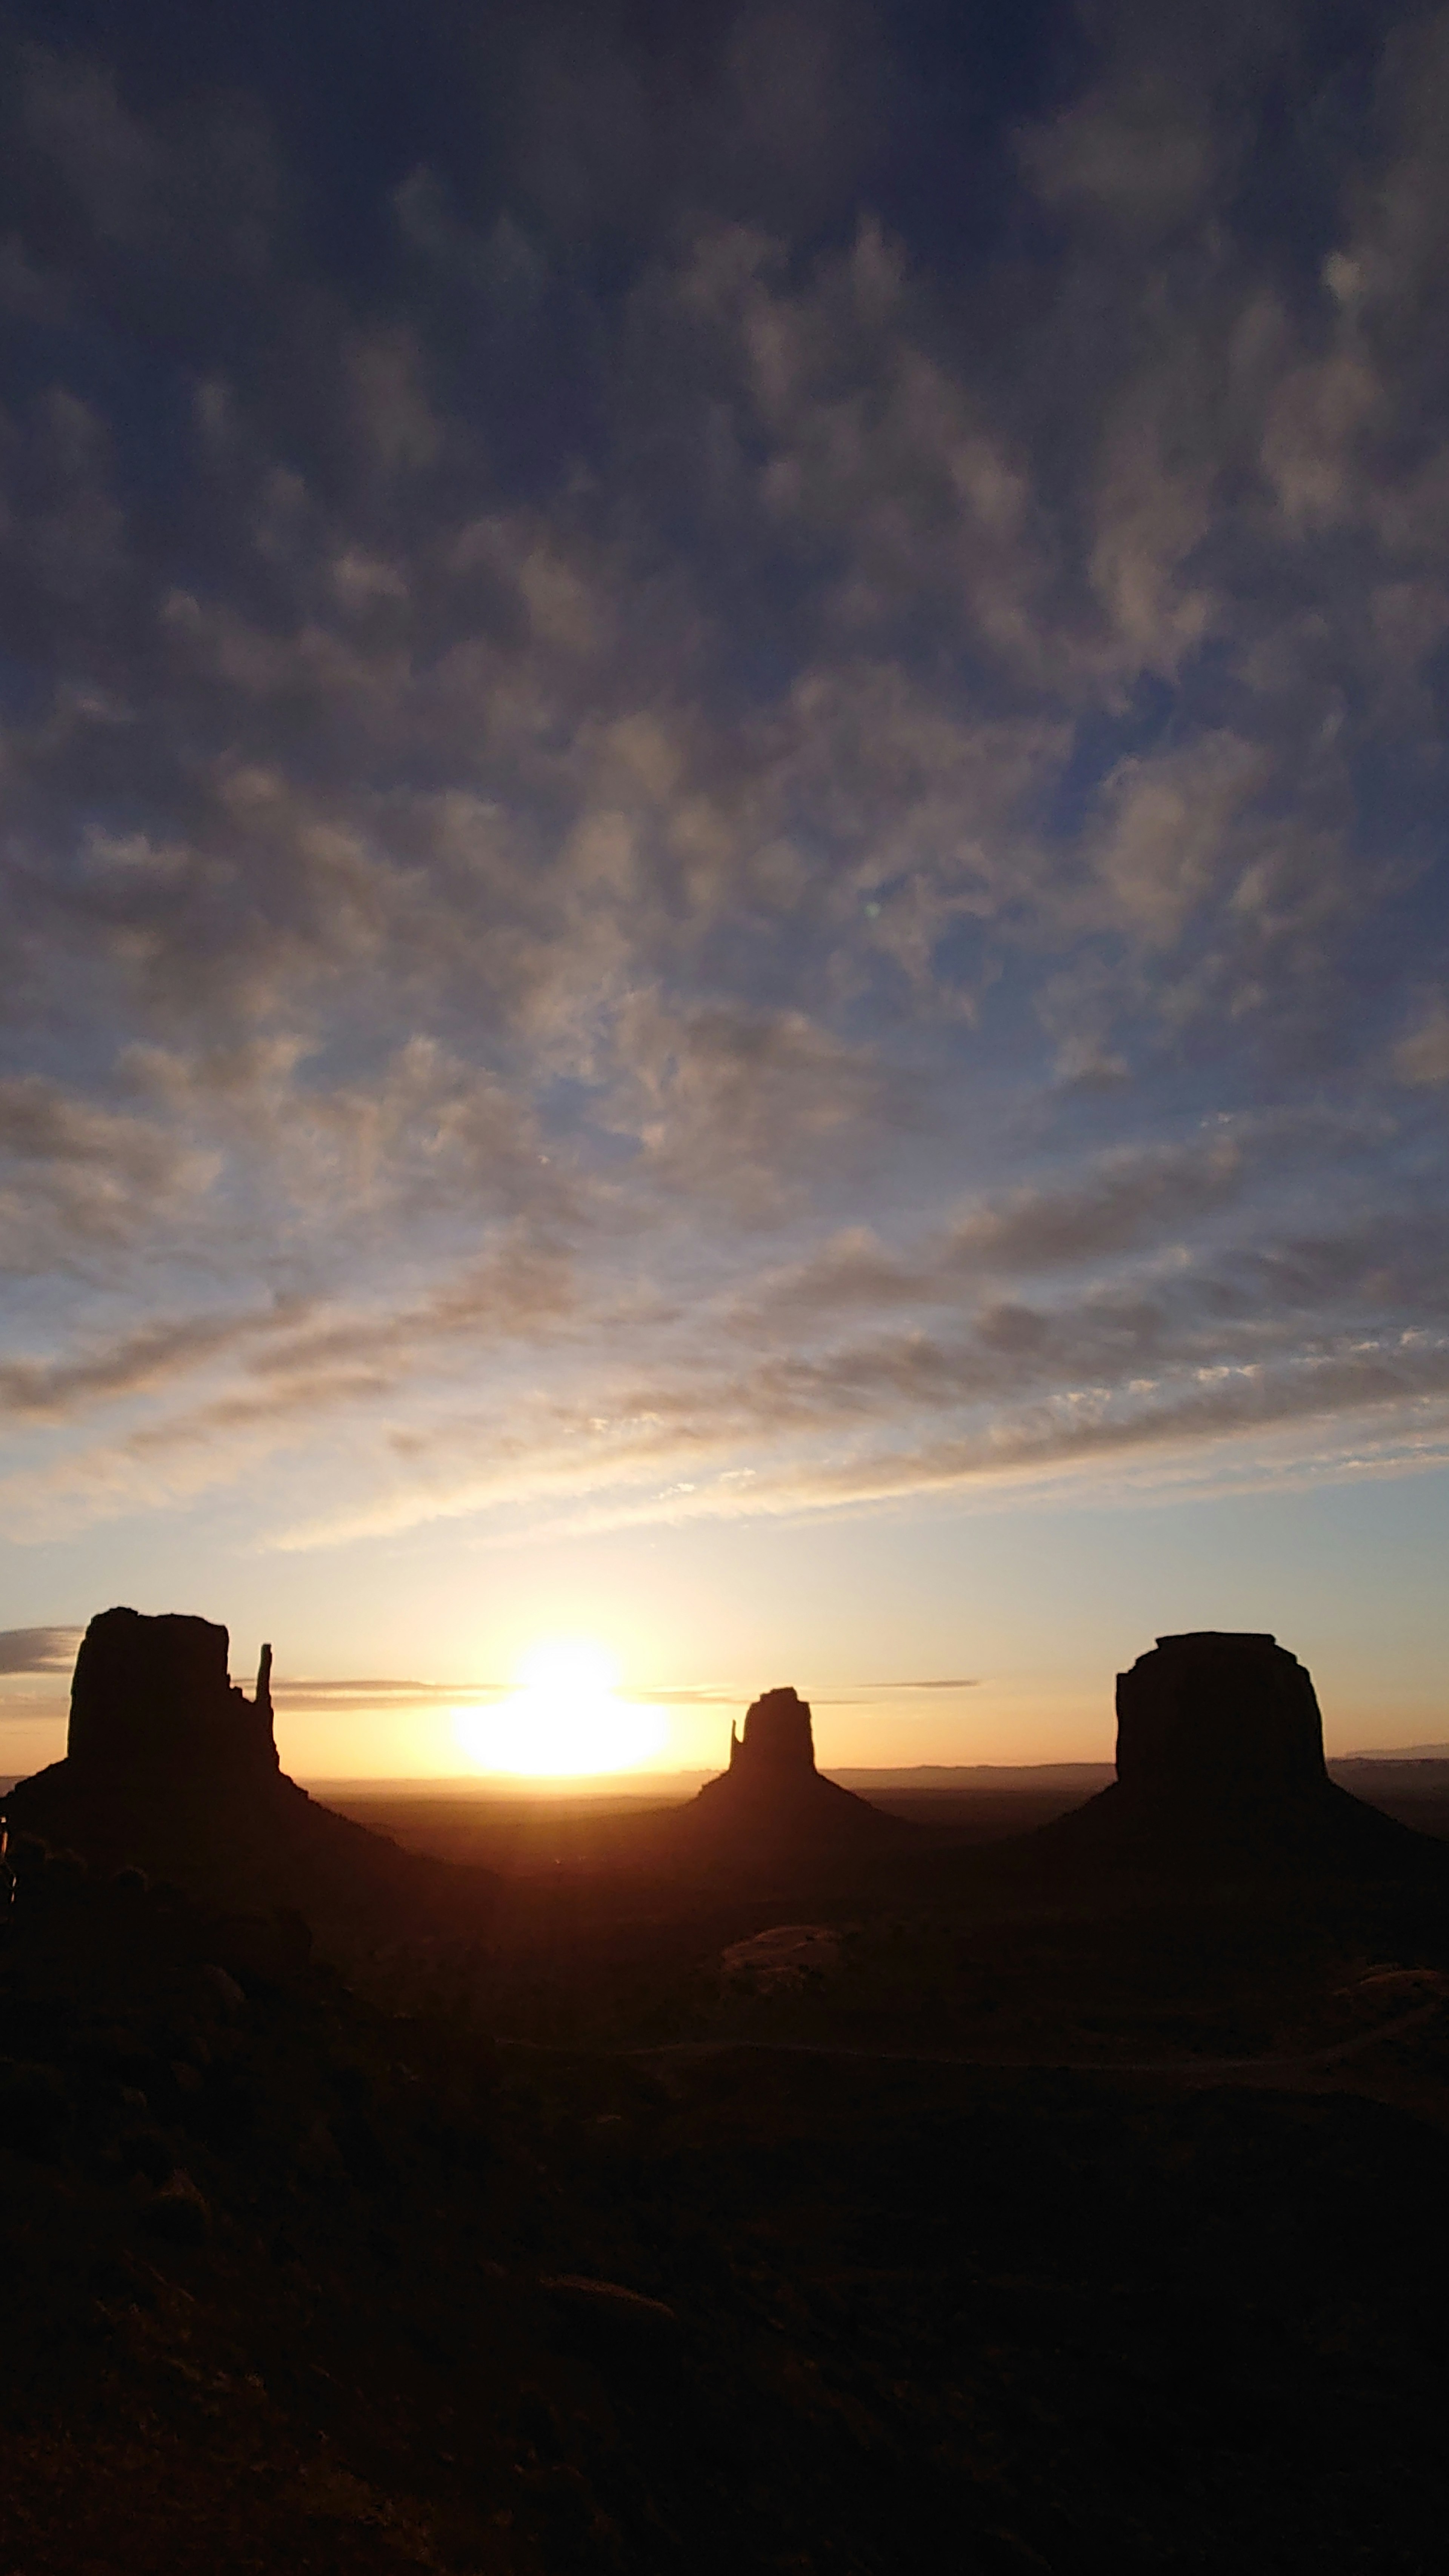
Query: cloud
point(1165, 825)
point(970, 1684)
point(681, 839)
point(283, 1365)
point(38, 1650)
point(742, 1101)
point(80, 1181)
point(139, 1361)
point(322, 1696)
point(1137, 152)
point(1423, 1056)
point(1125, 1345)
point(1131, 1196)
point(206, 192)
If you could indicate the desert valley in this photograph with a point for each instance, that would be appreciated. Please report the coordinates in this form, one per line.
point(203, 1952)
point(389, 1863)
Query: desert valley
point(770, 2178)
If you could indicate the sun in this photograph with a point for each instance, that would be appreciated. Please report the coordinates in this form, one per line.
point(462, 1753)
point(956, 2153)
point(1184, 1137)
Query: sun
point(564, 1721)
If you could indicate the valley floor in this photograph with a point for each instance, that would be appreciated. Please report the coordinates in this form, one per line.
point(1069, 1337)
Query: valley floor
point(1033, 2233)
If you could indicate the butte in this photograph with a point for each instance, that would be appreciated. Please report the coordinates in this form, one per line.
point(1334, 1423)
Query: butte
point(772, 1808)
point(171, 1768)
point(1220, 1768)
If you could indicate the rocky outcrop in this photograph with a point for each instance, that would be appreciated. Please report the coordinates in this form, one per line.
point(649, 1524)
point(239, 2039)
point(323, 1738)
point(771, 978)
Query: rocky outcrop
point(170, 1767)
point(778, 1744)
point(1229, 1718)
point(772, 1806)
point(152, 1702)
point(1220, 1766)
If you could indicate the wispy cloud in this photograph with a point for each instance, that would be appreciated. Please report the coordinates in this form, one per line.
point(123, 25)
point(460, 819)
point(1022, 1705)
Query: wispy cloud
point(715, 846)
point(300, 1695)
point(38, 1650)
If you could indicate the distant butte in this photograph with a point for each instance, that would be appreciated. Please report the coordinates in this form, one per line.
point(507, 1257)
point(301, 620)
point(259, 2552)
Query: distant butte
point(777, 1748)
point(772, 1802)
point(1220, 1761)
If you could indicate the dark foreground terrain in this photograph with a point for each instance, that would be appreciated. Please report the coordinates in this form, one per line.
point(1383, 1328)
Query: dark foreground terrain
point(1029, 2228)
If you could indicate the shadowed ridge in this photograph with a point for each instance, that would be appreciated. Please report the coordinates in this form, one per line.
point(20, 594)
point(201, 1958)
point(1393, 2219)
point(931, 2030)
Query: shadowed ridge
point(1220, 1764)
point(169, 1766)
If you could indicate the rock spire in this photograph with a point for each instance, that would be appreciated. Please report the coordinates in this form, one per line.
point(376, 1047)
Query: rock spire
point(772, 1807)
point(778, 1743)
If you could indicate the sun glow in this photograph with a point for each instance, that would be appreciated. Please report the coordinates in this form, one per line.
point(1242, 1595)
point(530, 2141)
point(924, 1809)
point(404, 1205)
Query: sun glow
point(565, 1720)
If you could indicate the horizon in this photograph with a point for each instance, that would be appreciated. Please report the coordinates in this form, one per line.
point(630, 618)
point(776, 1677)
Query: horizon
point(316, 1715)
point(726, 871)
point(629, 1787)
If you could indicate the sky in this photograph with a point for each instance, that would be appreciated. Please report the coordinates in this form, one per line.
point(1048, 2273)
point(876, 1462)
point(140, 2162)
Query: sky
point(724, 902)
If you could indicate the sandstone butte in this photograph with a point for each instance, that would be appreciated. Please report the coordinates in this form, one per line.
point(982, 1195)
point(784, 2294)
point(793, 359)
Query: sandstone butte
point(170, 1767)
point(772, 1800)
point(1220, 1764)
point(168, 1764)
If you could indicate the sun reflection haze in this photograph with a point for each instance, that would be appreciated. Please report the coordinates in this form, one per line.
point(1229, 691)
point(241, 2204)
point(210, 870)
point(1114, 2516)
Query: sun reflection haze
point(565, 1720)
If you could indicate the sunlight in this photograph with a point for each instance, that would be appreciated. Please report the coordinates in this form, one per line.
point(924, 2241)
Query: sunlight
point(564, 1721)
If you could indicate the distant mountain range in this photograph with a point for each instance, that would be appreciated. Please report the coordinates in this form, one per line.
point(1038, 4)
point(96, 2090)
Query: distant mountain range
point(1395, 1753)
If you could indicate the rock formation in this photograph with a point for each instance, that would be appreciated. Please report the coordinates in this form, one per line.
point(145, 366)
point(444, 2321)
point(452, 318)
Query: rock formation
point(1220, 1763)
point(1227, 1719)
point(152, 1702)
point(169, 1766)
point(772, 1803)
point(778, 1744)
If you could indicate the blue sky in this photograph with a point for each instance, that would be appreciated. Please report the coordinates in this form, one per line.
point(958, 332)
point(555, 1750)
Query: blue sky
point(724, 896)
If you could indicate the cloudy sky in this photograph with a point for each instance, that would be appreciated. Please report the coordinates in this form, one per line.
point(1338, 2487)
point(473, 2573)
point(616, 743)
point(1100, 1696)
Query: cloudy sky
point(724, 894)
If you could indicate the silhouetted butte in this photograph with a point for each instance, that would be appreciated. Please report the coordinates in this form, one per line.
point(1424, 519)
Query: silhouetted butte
point(1220, 1759)
point(170, 1766)
point(772, 1804)
point(152, 1702)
